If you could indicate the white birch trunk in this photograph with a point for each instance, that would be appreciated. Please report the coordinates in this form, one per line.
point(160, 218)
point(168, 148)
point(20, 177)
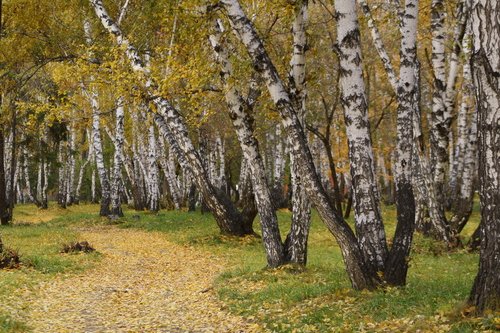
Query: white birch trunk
point(154, 189)
point(116, 180)
point(485, 294)
point(27, 183)
point(440, 118)
point(90, 157)
point(296, 242)
point(242, 122)
point(70, 184)
point(96, 134)
point(368, 219)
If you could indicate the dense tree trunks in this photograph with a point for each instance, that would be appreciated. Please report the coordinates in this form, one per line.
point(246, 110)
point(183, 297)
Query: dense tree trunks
point(62, 173)
point(172, 127)
point(139, 182)
point(3, 188)
point(368, 219)
point(153, 174)
point(99, 157)
point(466, 151)
point(26, 174)
point(90, 157)
point(423, 182)
point(116, 179)
point(360, 274)
point(485, 294)
point(397, 263)
point(240, 114)
point(278, 191)
point(168, 168)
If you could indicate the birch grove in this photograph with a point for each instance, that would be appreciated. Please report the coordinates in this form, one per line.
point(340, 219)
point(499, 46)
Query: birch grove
point(276, 109)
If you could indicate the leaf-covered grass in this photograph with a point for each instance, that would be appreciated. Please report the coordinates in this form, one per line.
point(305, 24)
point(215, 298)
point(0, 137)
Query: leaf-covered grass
point(39, 244)
point(318, 298)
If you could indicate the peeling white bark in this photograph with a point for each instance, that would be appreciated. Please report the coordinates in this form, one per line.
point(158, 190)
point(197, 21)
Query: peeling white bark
point(368, 218)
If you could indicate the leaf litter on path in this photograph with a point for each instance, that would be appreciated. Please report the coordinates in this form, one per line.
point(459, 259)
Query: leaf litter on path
point(144, 283)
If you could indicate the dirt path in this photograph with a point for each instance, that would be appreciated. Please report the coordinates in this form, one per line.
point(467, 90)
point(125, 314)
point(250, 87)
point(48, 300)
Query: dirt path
point(143, 284)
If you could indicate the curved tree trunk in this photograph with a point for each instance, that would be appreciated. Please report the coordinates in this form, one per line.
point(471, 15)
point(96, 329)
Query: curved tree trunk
point(240, 114)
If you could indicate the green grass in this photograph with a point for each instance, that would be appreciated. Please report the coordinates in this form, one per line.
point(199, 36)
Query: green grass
point(39, 244)
point(318, 298)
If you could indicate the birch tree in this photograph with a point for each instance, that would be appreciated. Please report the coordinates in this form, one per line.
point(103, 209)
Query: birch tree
point(116, 186)
point(173, 128)
point(485, 294)
point(296, 240)
point(368, 219)
point(240, 113)
point(360, 273)
point(4, 219)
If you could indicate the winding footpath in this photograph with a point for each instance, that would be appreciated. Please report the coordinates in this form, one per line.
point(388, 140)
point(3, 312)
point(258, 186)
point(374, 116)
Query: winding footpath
point(143, 283)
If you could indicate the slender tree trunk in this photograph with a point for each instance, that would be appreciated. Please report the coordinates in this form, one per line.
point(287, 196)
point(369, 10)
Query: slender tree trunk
point(62, 173)
point(45, 182)
point(485, 294)
point(97, 141)
point(240, 114)
point(99, 157)
point(466, 150)
point(368, 219)
point(70, 189)
point(397, 263)
point(116, 208)
point(296, 240)
point(3, 188)
point(90, 157)
point(440, 119)
point(279, 171)
point(26, 174)
point(153, 189)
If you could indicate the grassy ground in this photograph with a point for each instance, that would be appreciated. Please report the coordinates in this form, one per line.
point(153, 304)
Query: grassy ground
point(285, 300)
point(39, 243)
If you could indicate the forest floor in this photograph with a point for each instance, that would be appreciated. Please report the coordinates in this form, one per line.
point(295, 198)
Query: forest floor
point(173, 272)
point(143, 283)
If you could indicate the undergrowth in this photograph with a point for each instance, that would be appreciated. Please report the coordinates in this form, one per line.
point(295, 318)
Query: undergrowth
point(315, 299)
